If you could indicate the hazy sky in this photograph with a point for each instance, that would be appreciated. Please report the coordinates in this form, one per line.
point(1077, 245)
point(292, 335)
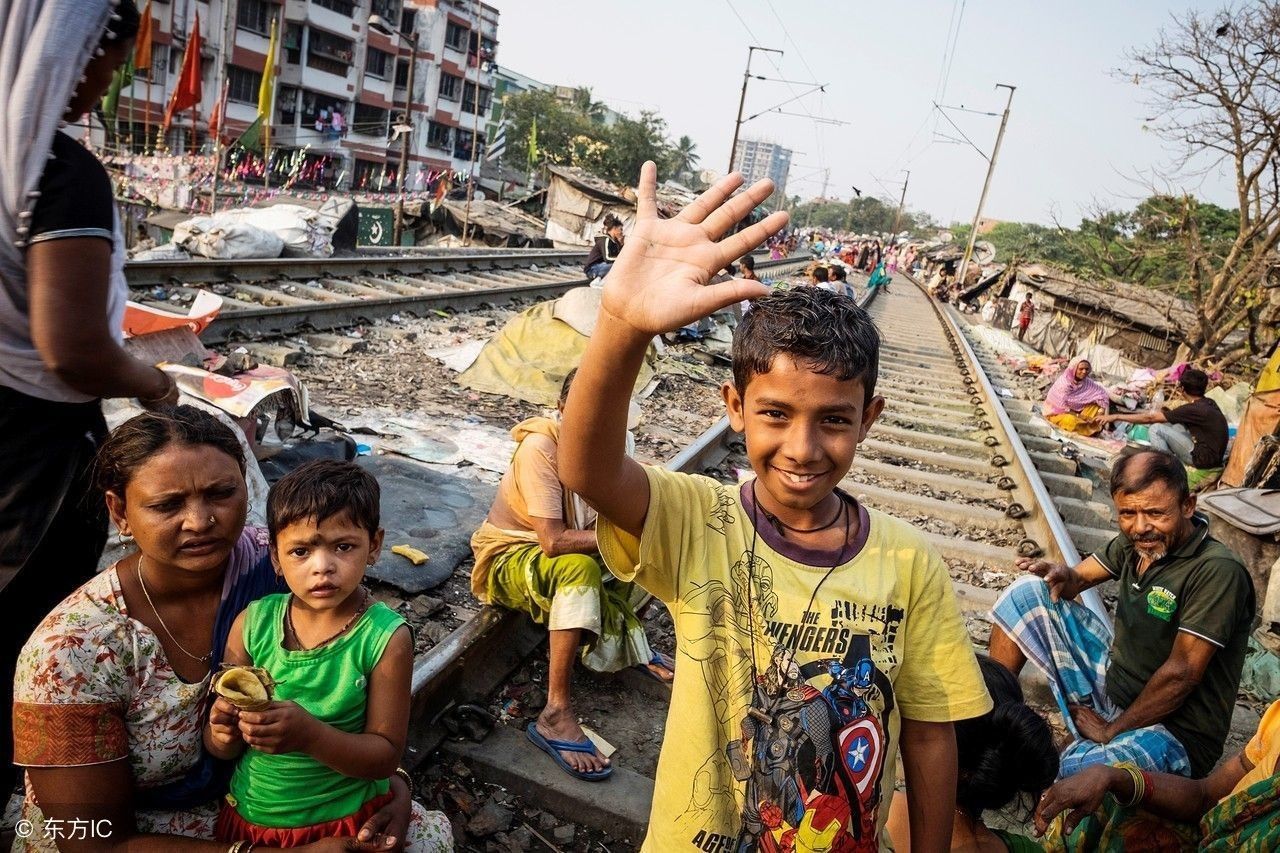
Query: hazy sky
point(1075, 130)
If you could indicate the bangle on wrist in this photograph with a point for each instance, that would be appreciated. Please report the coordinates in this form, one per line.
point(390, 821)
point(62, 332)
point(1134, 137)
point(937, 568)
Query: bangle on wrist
point(408, 780)
point(1136, 776)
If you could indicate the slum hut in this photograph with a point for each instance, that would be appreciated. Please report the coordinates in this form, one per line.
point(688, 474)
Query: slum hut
point(577, 202)
point(492, 223)
point(1143, 325)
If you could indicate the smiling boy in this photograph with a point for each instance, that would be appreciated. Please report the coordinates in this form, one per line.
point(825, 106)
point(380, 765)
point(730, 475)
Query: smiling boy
point(815, 637)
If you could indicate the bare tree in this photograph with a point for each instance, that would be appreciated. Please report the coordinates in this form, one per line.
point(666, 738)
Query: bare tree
point(1214, 85)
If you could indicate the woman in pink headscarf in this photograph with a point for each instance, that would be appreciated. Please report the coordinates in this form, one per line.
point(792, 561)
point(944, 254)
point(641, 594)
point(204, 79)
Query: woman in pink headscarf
point(1075, 401)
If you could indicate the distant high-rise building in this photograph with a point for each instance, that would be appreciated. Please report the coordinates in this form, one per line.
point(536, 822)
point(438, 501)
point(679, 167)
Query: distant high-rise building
point(757, 159)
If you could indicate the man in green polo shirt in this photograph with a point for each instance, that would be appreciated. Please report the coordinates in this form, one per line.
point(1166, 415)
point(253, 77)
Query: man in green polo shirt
point(1160, 690)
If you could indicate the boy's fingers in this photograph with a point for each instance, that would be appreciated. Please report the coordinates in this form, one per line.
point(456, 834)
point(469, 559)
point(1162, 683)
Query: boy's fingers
point(737, 245)
point(713, 297)
point(705, 204)
point(647, 191)
point(729, 214)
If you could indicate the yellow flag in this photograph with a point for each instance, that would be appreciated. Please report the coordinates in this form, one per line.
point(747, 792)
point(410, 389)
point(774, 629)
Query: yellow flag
point(267, 88)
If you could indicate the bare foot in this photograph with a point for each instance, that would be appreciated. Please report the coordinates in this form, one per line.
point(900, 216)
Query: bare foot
point(661, 673)
point(562, 724)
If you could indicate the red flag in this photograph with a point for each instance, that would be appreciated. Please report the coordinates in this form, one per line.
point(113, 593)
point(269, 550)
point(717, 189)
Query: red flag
point(189, 89)
point(142, 42)
point(216, 120)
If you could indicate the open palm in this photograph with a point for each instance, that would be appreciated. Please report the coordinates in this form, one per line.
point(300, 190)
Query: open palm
point(660, 280)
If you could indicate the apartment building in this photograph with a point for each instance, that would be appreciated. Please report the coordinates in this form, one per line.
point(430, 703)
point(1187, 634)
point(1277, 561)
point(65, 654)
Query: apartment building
point(757, 159)
point(341, 87)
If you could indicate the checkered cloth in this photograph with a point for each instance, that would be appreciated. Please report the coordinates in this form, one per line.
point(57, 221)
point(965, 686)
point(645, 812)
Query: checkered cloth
point(1071, 645)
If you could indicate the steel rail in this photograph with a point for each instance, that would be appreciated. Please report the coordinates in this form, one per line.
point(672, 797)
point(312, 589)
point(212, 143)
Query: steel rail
point(1035, 496)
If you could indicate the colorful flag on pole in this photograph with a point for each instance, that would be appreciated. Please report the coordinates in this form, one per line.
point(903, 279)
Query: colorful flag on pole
point(533, 143)
point(111, 101)
point(251, 139)
point(142, 42)
point(498, 145)
point(266, 89)
point(219, 111)
point(190, 88)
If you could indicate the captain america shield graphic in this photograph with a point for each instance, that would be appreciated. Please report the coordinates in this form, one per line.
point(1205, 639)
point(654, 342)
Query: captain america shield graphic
point(862, 748)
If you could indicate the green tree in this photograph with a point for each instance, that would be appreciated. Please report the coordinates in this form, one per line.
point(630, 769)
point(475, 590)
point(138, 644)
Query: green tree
point(587, 106)
point(558, 126)
point(686, 157)
point(633, 141)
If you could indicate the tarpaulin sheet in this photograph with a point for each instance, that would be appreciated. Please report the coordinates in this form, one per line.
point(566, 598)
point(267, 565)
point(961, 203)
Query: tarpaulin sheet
point(531, 356)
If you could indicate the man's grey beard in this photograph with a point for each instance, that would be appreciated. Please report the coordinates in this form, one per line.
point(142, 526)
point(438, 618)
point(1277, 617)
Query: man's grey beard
point(1153, 554)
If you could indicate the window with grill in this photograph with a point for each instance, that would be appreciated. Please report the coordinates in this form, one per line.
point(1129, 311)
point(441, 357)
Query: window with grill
point(455, 36)
point(469, 98)
point(370, 120)
point(438, 135)
point(159, 64)
point(449, 87)
point(408, 21)
point(402, 73)
point(243, 84)
point(327, 52)
point(255, 15)
point(342, 7)
point(376, 62)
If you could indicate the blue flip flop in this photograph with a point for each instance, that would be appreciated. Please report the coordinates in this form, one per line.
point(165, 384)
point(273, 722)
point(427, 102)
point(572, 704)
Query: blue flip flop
point(553, 748)
point(661, 660)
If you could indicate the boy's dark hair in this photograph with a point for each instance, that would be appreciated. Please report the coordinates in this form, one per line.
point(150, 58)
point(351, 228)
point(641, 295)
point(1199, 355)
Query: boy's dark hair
point(611, 221)
point(820, 274)
point(565, 386)
point(748, 262)
point(1137, 470)
point(143, 436)
point(827, 331)
point(320, 490)
point(1194, 381)
point(1005, 753)
point(838, 273)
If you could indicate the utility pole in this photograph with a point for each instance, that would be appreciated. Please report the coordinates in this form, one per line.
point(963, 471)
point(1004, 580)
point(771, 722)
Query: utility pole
point(746, 77)
point(986, 185)
point(897, 217)
point(475, 133)
point(377, 22)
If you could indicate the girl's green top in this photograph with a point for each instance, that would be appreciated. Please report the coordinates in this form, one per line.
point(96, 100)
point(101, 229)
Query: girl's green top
point(332, 683)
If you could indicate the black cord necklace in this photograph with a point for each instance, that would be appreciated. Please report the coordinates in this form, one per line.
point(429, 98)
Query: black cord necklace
point(780, 525)
point(751, 571)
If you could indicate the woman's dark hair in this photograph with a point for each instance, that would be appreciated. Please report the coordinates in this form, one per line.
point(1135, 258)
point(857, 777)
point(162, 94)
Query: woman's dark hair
point(141, 437)
point(1005, 753)
point(565, 386)
point(837, 273)
point(123, 24)
point(611, 221)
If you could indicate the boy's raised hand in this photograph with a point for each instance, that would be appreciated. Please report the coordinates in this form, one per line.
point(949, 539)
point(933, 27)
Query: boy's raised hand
point(660, 280)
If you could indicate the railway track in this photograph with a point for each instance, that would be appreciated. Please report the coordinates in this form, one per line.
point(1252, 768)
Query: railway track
point(945, 455)
point(282, 296)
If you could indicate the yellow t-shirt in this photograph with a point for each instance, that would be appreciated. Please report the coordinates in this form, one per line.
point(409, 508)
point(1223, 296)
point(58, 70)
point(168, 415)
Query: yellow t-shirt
point(1263, 749)
point(784, 718)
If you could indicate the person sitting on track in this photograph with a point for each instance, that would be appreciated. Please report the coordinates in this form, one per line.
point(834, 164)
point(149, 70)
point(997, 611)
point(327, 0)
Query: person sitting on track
point(1005, 755)
point(605, 248)
point(816, 636)
point(1237, 807)
point(1161, 693)
point(537, 552)
point(1075, 402)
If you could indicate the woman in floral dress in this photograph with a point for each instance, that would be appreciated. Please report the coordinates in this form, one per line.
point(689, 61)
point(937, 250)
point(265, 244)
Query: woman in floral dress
point(111, 689)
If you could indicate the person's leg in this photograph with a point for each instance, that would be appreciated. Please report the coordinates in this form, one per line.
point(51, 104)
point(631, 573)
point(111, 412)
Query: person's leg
point(1173, 438)
point(1004, 651)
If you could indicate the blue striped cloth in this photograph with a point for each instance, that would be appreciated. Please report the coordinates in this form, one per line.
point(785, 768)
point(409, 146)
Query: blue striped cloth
point(1071, 645)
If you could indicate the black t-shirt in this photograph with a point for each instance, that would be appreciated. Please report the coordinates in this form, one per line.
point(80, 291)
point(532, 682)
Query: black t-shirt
point(605, 249)
point(76, 198)
point(1202, 588)
point(1208, 428)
